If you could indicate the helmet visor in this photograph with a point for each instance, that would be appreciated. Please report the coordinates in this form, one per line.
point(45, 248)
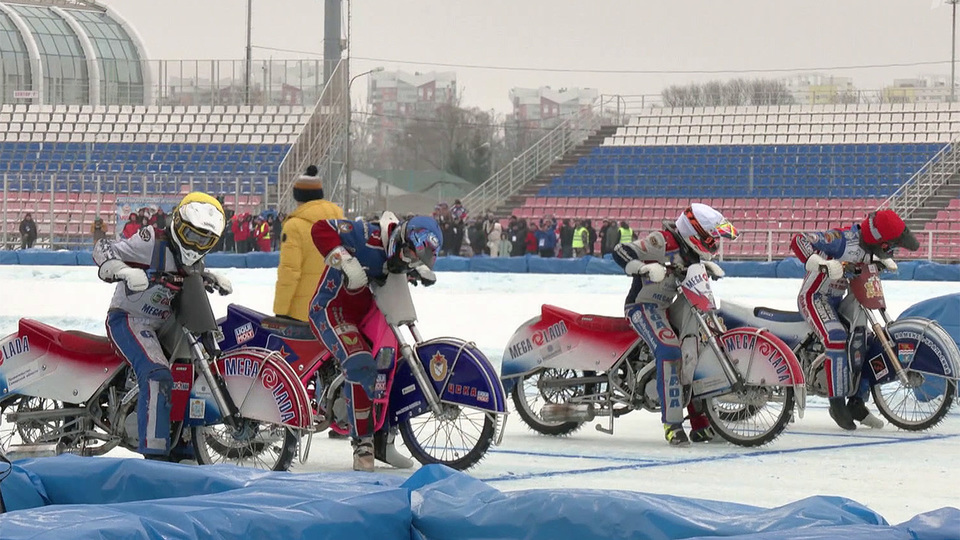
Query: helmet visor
point(907, 240)
point(708, 239)
point(197, 239)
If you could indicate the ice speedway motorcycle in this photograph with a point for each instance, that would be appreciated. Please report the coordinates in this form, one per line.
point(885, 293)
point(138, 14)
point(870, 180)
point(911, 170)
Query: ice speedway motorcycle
point(69, 391)
point(443, 394)
point(911, 364)
point(565, 369)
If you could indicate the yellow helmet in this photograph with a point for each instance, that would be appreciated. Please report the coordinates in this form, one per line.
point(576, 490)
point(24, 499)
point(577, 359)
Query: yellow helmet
point(196, 226)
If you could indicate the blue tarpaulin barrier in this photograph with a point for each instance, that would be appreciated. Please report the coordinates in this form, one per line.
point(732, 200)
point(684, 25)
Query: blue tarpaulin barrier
point(943, 309)
point(786, 268)
point(107, 498)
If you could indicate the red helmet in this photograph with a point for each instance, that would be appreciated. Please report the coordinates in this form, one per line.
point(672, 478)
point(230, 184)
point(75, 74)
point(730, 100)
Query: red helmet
point(886, 230)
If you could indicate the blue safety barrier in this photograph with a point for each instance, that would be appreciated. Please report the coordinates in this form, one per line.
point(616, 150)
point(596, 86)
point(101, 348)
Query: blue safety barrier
point(786, 268)
point(134, 498)
point(943, 309)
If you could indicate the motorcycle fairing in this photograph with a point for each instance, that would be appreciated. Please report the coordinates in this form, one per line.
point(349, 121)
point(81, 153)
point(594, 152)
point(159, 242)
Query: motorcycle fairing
point(262, 386)
point(921, 345)
point(761, 358)
point(68, 366)
point(789, 326)
point(559, 337)
point(292, 339)
point(459, 373)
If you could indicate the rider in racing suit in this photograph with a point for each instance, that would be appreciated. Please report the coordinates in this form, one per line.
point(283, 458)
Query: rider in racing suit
point(823, 254)
point(693, 238)
point(357, 252)
point(140, 306)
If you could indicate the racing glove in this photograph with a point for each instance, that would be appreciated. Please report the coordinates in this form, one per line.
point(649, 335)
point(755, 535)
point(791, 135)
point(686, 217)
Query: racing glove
point(655, 272)
point(833, 268)
point(889, 264)
point(353, 272)
point(115, 270)
point(425, 276)
point(714, 269)
point(216, 282)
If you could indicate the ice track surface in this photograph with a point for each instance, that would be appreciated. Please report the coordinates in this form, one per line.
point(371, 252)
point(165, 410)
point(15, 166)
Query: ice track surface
point(896, 473)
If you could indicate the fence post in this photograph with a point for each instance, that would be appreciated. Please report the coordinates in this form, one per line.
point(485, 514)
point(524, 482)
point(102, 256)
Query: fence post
point(929, 245)
point(769, 246)
point(3, 217)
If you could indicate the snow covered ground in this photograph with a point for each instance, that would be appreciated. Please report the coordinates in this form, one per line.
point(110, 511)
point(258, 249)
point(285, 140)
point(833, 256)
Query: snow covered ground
point(898, 474)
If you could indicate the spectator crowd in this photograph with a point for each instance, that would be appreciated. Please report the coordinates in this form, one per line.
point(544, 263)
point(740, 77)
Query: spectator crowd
point(472, 236)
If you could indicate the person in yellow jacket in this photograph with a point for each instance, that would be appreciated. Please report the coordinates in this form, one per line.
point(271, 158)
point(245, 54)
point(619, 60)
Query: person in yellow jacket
point(300, 263)
point(580, 239)
point(626, 233)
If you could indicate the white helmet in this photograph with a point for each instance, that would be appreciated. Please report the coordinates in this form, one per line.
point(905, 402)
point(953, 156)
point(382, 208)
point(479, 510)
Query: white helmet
point(702, 227)
point(196, 226)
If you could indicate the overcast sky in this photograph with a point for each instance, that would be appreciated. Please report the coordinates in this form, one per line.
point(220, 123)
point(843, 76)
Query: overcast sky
point(560, 39)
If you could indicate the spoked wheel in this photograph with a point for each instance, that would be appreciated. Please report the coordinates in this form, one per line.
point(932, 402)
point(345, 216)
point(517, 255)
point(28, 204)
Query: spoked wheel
point(254, 444)
point(918, 405)
point(530, 395)
point(458, 438)
point(49, 431)
point(734, 412)
point(770, 408)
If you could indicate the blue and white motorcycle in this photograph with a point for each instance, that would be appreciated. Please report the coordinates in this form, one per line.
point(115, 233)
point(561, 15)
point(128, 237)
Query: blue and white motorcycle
point(912, 364)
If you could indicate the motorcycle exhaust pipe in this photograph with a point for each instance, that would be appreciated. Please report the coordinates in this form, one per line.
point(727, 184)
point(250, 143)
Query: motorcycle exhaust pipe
point(24, 451)
point(567, 412)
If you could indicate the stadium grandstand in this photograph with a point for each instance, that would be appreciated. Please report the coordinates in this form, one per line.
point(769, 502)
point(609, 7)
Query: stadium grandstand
point(774, 170)
point(86, 119)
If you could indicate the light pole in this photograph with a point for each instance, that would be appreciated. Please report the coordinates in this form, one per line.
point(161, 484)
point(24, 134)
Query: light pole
point(346, 161)
point(249, 54)
point(953, 49)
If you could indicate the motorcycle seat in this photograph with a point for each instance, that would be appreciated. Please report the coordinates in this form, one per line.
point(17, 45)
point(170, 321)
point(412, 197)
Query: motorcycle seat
point(777, 315)
point(71, 341)
point(599, 323)
point(596, 323)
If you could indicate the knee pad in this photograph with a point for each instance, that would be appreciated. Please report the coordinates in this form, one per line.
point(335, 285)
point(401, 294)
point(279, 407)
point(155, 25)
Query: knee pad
point(360, 368)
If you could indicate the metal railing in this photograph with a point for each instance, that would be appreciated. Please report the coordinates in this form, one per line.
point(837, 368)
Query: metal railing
point(925, 182)
point(64, 209)
point(770, 244)
point(533, 161)
point(321, 140)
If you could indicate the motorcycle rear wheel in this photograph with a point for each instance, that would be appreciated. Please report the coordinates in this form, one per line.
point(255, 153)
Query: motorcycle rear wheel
point(458, 438)
point(257, 445)
point(920, 405)
point(34, 432)
point(529, 399)
point(770, 407)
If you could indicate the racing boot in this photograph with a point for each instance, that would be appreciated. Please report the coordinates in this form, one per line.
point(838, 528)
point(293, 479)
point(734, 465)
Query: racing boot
point(860, 413)
point(386, 451)
point(841, 414)
point(700, 429)
point(675, 435)
point(363, 454)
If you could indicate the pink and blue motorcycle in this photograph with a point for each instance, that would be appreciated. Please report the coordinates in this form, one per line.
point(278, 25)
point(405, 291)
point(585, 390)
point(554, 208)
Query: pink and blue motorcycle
point(443, 394)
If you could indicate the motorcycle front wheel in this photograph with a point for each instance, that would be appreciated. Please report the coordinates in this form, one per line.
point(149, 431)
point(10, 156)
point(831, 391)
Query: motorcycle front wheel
point(770, 410)
point(458, 438)
point(253, 444)
point(920, 404)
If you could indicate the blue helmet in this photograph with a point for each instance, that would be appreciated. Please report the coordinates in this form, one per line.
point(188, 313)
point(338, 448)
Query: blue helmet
point(416, 241)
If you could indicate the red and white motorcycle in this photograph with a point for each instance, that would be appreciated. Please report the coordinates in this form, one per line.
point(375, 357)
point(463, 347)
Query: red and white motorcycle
point(69, 392)
point(565, 369)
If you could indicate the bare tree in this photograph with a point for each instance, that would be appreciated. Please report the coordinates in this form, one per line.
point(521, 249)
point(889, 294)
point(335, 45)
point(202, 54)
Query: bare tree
point(730, 93)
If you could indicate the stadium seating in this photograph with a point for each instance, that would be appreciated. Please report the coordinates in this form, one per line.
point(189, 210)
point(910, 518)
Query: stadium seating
point(773, 170)
point(75, 152)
